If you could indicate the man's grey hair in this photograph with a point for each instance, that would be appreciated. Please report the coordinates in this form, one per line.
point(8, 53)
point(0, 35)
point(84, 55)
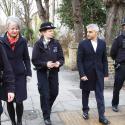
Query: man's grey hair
point(93, 26)
point(14, 19)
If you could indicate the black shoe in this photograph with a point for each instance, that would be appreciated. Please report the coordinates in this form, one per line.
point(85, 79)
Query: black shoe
point(85, 115)
point(19, 123)
point(115, 108)
point(14, 123)
point(104, 121)
point(47, 122)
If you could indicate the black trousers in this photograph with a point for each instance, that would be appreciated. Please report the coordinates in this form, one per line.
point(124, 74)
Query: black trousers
point(18, 111)
point(48, 89)
point(118, 83)
point(99, 98)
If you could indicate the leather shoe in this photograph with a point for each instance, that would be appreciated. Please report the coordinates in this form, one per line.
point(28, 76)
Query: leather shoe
point(115, 108)
point(19, 123)
point(47, 122)
point(104, 121)
point(14, 123)
point(85, 115)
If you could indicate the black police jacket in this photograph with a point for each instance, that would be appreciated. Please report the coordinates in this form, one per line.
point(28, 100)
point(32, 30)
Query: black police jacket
point(42, 55)
point(118, 49)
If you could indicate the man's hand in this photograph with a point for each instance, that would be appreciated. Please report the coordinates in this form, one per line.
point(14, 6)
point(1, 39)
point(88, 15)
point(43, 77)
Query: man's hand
point(106, 78)
point(57, 64)
point(10, 96)
point(84, 78)
point(50, 64)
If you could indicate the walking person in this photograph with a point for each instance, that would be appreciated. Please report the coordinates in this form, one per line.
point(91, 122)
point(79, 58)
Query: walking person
point(47, 57)
point(93, 67)
point(117, 53)
point(17, 52)
point(7, 86)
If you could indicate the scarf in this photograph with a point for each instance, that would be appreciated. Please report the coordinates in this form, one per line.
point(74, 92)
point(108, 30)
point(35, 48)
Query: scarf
point(12, 40)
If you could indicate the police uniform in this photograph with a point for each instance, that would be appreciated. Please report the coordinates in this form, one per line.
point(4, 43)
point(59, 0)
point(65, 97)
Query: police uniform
point(118, 54)
point(43, 52)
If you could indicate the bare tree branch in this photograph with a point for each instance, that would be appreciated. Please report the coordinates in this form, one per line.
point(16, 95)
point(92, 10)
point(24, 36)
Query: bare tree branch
point(6, 7)
point(43, 12)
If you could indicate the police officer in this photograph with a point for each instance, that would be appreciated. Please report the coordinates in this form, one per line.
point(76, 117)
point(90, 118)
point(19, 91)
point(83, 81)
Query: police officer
point(47, 57)
point(118, 54)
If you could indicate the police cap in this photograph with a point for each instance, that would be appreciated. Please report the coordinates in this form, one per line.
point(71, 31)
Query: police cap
point(46, 25)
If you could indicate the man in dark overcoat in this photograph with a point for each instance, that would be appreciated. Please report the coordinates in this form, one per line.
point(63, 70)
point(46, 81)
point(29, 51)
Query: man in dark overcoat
point(93, 67)
point(47, 58)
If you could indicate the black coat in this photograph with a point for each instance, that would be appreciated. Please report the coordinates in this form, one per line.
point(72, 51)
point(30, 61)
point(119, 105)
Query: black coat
point(90, 62)
point(20, 62)
point(118, 49)
point(41, 56)
point(7, 81)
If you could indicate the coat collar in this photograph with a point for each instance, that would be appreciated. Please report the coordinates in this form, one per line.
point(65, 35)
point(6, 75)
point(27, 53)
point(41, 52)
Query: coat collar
point(8, 44)
point(41, 44)
point(42, 39)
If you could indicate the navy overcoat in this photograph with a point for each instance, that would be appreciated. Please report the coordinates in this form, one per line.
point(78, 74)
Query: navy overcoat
point(20, 62)
point(89, 61)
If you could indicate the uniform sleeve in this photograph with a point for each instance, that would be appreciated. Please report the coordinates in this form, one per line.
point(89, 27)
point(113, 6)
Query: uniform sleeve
point(26, 60)
point(105, 61)
point(114, 49)
point(80, 58)
point(60, 55)
point(8, 76)
point(37, 62)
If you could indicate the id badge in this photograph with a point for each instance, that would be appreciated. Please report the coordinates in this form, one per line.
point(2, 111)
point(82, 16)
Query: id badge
point(55, 50)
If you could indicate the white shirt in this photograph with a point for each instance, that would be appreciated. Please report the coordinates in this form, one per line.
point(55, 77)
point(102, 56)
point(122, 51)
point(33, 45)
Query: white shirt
point(94, 44)
point(46, 42)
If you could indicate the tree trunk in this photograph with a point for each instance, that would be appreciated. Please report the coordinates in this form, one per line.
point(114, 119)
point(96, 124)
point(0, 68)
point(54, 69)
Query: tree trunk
point(78, 26)
point(43, 12)
point(115, 13)
point(47, 9)
point(26, 5)
point(109, 23)
point(53, 10)
point(26, 19)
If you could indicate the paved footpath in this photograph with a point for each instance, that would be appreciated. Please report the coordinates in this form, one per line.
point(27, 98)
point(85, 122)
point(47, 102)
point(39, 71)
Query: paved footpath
point(67, 107)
